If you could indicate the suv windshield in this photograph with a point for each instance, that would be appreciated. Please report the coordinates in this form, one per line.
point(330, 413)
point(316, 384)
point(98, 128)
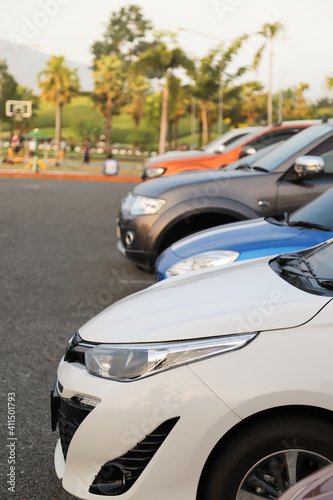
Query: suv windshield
point(240, 141)
point(229, 138)
point(274, 159)
point(319, 212)
point(310, 270)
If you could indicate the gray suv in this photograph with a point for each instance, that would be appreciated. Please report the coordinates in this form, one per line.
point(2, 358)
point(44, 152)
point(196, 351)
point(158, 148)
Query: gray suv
point(159, 212)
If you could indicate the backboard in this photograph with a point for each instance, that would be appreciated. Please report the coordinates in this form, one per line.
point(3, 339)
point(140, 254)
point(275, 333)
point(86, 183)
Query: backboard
point(18, 108)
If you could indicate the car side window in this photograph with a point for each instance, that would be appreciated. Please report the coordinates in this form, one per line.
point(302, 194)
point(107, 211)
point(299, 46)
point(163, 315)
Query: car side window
point(325, 150)
point(272, 138)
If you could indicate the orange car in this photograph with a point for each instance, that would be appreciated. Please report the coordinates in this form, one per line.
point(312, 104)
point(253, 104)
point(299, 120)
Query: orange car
point(245, 145)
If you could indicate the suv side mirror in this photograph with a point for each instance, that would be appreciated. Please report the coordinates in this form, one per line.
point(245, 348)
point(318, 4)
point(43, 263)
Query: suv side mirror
point(219, 149)
point(247, 150)
point(307, 166)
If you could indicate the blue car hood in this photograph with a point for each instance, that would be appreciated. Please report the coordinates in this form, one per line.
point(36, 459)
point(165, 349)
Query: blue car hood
point(254, 235)
point(251, 239)
point(233, 236)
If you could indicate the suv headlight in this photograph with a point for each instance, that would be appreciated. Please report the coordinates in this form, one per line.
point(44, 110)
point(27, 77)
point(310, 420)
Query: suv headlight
point(142, 205)
point(154, 171)
point(129, 362)
point(201, 261)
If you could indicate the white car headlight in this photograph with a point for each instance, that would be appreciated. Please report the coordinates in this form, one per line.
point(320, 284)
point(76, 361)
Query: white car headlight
point(142, 205)
point(154, 171)
point(129, 362)
point(201, 261)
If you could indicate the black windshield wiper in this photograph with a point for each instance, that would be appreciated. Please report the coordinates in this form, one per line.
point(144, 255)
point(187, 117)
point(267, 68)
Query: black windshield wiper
point(297, 271)
point(247, 166)
point(326, 284)
point(260, 169)
point(310, 225)
point(244, 166)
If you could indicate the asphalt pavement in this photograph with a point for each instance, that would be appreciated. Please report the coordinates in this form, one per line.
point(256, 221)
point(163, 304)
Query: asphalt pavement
point(59, 266)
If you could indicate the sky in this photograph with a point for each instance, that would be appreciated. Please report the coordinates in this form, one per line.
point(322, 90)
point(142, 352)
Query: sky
point(302, 54)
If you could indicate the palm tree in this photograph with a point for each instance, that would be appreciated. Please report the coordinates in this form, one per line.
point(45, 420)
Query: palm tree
point(59, 84)
point(137, 91)
point(329, 81)
point(269, 32)
point(206, 87)
point(160, 61)
point(108, 92)
point(179, 102)
point(212, 79)
point(253, 101)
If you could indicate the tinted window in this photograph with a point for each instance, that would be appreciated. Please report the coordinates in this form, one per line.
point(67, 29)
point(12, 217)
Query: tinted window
point(321, 261)
point(240, 142)
point(229, 137)
point(318, 211)
point(293, 145)
point(325, 150)
point(273, 137)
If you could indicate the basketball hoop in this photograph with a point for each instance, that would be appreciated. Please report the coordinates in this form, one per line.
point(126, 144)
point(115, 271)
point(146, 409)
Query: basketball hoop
point(18, 109)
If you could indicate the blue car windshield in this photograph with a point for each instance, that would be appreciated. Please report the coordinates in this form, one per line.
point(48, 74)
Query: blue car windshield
point(274, 159)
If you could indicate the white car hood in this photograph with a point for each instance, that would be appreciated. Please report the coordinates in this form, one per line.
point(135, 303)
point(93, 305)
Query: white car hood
point(243, 297)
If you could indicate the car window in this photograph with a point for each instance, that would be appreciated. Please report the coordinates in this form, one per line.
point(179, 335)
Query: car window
point(240, 141)
point(273, 137)
point(274, 159)
point(318, 211)
point(229, 137)
point(325, 150)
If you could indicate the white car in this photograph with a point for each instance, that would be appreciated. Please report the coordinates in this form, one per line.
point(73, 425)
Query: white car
point(216, 386)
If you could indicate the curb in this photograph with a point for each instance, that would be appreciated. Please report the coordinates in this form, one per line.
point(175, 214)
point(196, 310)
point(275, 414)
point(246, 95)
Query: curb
point(64, 176)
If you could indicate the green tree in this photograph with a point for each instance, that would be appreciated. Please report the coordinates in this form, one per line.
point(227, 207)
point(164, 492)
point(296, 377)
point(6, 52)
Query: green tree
point(8, 89)
point(253, 101)
point(269, 32)
point(144, 137)
point(162, 61)
point(26, 94)
point(137, 91)
point(59, 84)
point(295, 105)
point(213, 81)
point(179, 103)
point(91, 129)
point(125, 35)
point(108, 91)
point(153, 108)
point(323, 108)
point(329, 82)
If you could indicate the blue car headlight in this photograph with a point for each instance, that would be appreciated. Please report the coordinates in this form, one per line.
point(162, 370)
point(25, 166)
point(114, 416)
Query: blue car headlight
point(201, 261)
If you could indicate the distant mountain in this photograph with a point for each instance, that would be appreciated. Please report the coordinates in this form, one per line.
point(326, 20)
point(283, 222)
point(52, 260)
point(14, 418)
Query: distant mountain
point(24, 63)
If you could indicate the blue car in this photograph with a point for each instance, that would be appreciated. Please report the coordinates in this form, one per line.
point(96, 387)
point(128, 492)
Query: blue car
point(308, 226)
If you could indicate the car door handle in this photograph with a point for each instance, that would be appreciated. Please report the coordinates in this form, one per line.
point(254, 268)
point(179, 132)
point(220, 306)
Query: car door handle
point(263, 203)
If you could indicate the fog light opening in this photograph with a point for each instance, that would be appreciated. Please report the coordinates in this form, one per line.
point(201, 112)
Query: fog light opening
point(111, 480)
point(129, 238)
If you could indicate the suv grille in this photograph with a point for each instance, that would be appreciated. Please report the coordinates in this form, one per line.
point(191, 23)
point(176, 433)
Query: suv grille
point(69, 419)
